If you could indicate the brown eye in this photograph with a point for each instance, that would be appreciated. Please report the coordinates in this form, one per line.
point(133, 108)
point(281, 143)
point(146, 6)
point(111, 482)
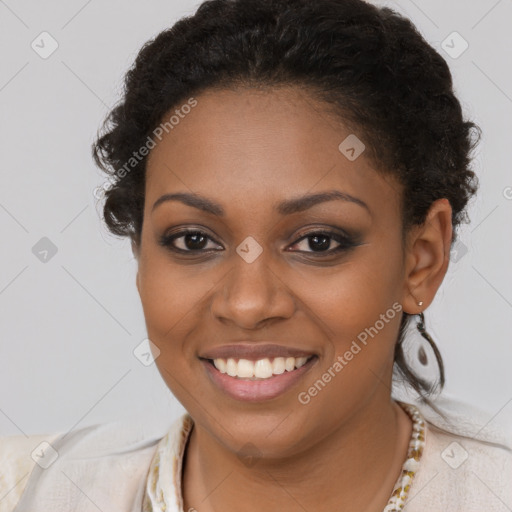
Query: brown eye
point(321, 242)
point(187, 241)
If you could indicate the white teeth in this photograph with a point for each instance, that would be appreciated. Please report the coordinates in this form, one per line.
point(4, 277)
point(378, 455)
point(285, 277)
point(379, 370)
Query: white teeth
point(245, 368)
point(289, 364)
point(260, 369)
point(301, 361)
point(222, 366)
point(231, 368)
point(278, 366)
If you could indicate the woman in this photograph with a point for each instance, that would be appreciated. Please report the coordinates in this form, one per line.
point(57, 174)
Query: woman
point(291, 175)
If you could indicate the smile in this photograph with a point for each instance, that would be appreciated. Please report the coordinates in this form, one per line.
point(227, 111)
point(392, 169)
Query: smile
point(258, 380)
point(260, 369)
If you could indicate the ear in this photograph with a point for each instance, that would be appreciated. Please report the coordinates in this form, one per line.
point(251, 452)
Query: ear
point(427, 257)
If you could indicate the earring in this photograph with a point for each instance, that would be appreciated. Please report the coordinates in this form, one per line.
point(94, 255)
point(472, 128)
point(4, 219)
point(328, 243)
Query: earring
point(422, 356)
point(420, 303)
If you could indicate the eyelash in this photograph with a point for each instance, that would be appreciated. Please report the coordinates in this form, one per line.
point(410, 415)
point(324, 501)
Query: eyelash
point(346, 243)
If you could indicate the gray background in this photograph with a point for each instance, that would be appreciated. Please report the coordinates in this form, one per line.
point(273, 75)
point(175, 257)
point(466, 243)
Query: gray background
point(69, 325)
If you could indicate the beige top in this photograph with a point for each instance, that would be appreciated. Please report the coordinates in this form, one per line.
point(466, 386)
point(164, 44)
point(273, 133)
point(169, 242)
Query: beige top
point(127, 466)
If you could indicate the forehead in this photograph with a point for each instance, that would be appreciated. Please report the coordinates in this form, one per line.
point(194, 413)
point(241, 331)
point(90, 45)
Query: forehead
point(246, 145)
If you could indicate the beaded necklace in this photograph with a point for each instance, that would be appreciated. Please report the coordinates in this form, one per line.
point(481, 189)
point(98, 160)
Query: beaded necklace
point(412, 463)
point(163, 487)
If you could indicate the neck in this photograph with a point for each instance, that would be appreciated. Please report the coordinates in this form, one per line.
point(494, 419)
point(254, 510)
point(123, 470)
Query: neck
point(353, 468)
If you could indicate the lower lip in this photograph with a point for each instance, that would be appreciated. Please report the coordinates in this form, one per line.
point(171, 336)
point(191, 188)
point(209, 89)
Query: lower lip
point(256, 390)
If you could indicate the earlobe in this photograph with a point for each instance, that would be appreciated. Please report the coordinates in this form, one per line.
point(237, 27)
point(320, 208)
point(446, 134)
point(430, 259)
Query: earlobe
point(427, 258)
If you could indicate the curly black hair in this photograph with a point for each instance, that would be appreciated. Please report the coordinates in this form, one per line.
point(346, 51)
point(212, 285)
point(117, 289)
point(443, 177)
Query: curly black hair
point(368, 65)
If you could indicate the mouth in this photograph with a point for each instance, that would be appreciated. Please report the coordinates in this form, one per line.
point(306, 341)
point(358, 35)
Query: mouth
point(260, 369)
point(257, 379)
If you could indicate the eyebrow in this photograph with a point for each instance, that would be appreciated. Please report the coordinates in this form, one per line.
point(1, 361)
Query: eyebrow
point(287, 207)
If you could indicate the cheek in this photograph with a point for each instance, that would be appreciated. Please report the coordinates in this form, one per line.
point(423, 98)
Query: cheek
point(173, 302)
point(345, 299)
point(170, 292)
point(361, 337)
point(354, 295)
point(358, 308)
point(359, 313)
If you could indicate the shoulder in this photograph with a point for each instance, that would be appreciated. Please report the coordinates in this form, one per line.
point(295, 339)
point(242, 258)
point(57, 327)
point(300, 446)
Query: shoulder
point(465, 466)
point(465, 454)
point(92, 459)
point(18, 457)
point(459, 473)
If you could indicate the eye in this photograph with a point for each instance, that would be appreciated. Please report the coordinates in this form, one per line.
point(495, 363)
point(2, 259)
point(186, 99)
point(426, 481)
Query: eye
point(197, 241)
point(187, 241)
point(320, 242)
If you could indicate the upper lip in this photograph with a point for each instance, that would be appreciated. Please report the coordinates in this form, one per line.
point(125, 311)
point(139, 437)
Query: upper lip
point(254, 351)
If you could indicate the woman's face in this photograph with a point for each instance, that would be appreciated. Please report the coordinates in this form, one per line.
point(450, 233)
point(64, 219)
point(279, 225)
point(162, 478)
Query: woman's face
point(321, 278)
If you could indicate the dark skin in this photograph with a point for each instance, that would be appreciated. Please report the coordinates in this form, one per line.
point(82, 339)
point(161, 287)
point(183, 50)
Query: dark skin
point(248, 150)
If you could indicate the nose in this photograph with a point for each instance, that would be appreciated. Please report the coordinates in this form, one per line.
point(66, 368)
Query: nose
point(252, 294)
